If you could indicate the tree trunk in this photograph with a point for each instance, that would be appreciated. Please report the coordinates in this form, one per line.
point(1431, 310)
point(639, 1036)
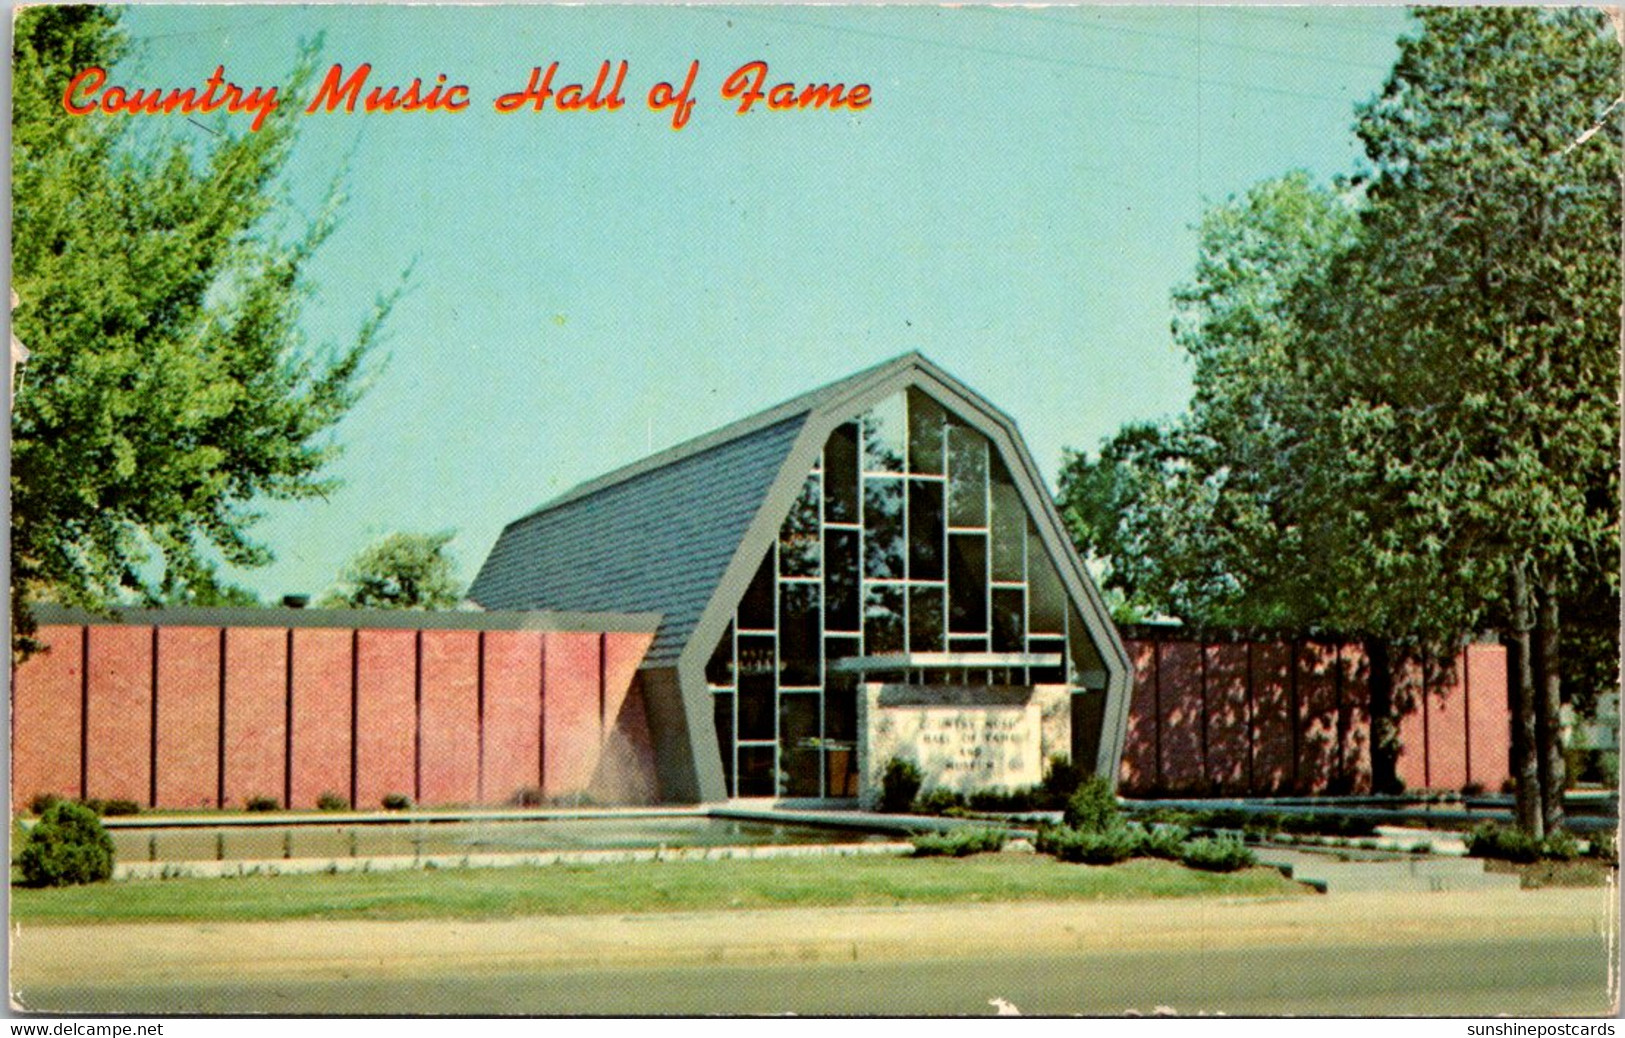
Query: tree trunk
point(1525, 757)
point(1548, 709)
point(1384, 724)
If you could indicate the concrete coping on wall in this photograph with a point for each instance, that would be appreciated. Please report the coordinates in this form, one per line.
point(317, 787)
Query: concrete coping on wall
point(355, 619)
point(413, 817)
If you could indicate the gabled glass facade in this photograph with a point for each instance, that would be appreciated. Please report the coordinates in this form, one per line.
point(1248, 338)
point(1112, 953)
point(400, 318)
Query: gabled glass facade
point(909, 536)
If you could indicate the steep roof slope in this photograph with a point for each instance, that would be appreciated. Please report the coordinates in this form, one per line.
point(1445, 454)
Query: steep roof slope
point(656, 535)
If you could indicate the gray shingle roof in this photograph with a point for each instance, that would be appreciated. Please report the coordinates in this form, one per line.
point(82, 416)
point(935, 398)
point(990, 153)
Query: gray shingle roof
point(656, 535)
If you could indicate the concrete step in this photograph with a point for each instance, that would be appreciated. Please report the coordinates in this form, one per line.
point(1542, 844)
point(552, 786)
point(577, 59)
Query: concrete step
point(1421, 873)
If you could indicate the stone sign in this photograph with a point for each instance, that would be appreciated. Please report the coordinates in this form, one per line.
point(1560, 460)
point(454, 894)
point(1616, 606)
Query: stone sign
point(962, 739)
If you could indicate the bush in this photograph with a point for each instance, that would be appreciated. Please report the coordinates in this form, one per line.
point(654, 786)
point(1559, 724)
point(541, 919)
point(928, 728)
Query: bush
point(1493, 841)
point(1093, 808)
point(959, 843)
point(937, 802)
point(396, 801)
point(111, 808)
point(332, 802)
point(1098, 847)
point(262, 803)
point(1061, 780)
point(1164, 841)
point(530, 796)
point(1561, 846)
point(1602, 847)
point(1222, 854)
point(1021, 799)
point(899, 785)
point(42, 803)
point(67, 845)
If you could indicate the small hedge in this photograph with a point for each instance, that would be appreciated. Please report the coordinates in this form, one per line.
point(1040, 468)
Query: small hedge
point(958, 843)
point(1093, 808)
point(1221, 854)
point(66, 846)
point(1105, 847)
point(332, 802)
point(262, 803)
point(1507, 844)
point(1164, 841)
point(898, 786)
point(396, 802)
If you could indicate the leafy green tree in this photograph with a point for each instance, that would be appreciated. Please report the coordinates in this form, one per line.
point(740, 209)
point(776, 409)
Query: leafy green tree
point(402, 571)
point(1471, 346)
point(1199, 516)
point(1407, 425)
point(169, 385)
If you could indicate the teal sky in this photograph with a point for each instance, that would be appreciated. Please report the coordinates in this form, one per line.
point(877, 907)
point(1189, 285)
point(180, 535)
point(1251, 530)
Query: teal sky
point(1016, 203)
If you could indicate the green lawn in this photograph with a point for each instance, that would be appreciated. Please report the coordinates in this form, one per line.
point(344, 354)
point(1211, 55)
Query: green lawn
point(639, 887)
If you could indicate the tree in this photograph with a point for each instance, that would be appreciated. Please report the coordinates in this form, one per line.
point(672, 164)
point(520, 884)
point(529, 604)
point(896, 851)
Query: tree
point(402, 571)
point(169, 385)
point(1406, 426)
point(1476, 383)
point(1199, 516)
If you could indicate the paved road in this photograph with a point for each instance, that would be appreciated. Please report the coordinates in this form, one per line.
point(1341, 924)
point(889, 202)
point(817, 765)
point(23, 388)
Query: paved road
point(1518, 953)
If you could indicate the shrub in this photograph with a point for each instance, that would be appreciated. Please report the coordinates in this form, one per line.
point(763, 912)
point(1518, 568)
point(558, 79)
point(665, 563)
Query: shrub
point(1561, 846)
point(1493, 841)
point(262, 803)
point(396, 801)
point(959, 843)
point(1473, 789)
point(937, 802)
point(42, 803)
point(1421, 848)
point(1164, 841)
point(1061, 780)
point(1221, 854)
point(1093, 808)
point(530, 796)
point(332, 802)
point(95, 804)
point(899, 785)
point(67, 845)
point(111, 808)
point(1099, 847)
point(1602, 847)
point(1022, 799)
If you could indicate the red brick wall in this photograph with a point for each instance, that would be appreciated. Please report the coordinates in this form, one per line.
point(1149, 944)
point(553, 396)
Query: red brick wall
point(450, 716)
point(513, 714)
point(45, 694)
point(386, 715)
point(1261, 718)
point(188, 755)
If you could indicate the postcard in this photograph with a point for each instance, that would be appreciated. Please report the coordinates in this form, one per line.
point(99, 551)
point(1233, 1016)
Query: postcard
point(564, 511)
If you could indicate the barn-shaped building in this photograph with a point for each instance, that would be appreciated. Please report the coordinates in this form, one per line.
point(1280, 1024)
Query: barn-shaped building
point(885, 540)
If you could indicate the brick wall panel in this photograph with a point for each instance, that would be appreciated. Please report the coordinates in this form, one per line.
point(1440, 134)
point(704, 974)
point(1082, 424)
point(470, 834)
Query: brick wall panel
point(321, 715)
point(386, 715)
point(451, 735)
point(1412, 765)
point(513, 683)
point(1274, 718)
point(45, 699)
point(119, 725)
point(256, 712)
point(1138, 772)
point(1447, 725)
point(1319, 739)
point(1184, 768)
point(571, 734)
point(1355, 764)
point(188, 716)
point(1489, 732)
point(1229, 719)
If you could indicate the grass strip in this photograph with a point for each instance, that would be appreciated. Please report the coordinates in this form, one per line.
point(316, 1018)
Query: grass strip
point(630, 888)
